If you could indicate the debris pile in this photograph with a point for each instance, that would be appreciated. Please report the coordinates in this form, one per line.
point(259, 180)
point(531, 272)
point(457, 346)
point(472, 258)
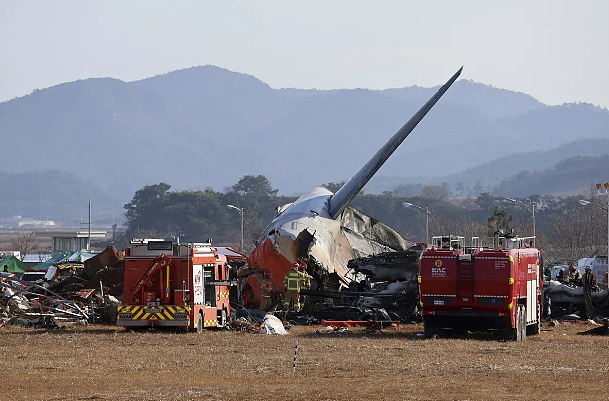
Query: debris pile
point(107, 267)
point(32, 305)
point(385, 288)
point(562, 299)
point(74, 294)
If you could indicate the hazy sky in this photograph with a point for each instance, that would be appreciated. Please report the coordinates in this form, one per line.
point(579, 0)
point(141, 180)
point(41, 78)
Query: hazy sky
point(556, 51)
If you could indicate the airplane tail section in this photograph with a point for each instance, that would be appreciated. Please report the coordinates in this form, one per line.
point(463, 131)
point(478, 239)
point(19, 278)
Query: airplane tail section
point(347, 192)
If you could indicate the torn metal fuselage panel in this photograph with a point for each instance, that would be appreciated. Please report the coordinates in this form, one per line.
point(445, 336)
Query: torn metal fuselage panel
point(303, 231)
point(389, 266)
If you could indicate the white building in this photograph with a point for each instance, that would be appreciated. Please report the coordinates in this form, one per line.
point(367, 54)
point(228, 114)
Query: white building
point(72, 241)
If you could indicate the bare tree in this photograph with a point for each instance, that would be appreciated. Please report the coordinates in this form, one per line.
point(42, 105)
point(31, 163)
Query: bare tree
point(461, 225)
point(435, 192)
point(25, 242)
point(572, 238)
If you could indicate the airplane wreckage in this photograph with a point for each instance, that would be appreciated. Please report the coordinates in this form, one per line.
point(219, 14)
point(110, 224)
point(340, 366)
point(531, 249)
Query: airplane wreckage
point(321, 229)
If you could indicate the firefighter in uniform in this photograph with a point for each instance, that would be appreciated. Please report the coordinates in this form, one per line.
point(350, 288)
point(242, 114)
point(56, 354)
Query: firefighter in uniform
point(604, 282)
point(589, 283)
point(266, 290)
point(292, 287)
point(571, 276)
point(305, 281)
point(576, 278)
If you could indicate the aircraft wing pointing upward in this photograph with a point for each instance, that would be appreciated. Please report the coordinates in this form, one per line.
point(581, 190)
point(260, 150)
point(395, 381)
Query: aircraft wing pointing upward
point(347, 192)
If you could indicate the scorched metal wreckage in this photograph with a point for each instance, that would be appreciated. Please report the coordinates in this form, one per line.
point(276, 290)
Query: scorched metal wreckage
point(321, 229)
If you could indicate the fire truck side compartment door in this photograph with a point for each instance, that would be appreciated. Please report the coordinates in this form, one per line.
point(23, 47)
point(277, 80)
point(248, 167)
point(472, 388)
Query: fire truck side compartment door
point(209, 275)
point(197, 280)
point(532, 300)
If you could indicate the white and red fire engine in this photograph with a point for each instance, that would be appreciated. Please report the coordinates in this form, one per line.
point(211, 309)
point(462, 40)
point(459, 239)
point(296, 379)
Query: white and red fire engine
point(481, 288)
point(174, 285)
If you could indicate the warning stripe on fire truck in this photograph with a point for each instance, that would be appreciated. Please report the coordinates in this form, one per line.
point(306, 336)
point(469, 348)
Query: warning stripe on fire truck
point(213, 322)
point(223, 294)
point(148, 312)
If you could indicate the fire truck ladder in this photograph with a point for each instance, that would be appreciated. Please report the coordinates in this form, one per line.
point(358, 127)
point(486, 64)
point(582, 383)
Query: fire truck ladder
point(160, 262)
point(465, 279)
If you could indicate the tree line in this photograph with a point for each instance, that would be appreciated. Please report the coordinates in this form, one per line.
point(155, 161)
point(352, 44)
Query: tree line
point(565, 229)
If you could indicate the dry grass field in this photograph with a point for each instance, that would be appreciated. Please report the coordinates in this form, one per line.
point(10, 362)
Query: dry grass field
point(109, 363)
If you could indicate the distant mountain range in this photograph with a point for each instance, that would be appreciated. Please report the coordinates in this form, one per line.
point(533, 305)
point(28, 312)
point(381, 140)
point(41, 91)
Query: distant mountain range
point(207, 127)
point(490, 174)
point(56, 195)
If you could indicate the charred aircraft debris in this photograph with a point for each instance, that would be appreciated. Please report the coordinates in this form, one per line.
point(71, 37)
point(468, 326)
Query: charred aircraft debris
point(569, 300)
point(385, 288)
point(321, 229)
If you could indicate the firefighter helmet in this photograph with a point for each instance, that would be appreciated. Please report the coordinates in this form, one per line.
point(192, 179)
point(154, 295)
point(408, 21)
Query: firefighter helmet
point(267, 274)
point(296, 265)
point(303, 266)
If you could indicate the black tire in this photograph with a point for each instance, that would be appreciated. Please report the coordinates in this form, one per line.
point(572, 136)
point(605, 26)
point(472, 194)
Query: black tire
point(200, 323)
point(536, 328)
point(223, 318)
point(515, 334)
point(523, 323)
point(431, 331)
point(517, 329)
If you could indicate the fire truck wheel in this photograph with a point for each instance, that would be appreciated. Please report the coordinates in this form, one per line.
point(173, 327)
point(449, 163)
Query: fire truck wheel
point(523, 323)
point(200, 323)
point(223, 318)
point(431, 331)
point(537, 326)
point(515, 334)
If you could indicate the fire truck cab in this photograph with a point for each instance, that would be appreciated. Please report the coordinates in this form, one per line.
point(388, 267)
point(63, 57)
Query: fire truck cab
point(477, 288)
point(174, 285)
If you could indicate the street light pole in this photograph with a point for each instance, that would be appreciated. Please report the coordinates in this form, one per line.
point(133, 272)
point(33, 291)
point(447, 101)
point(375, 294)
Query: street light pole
point(426, 226)
point(534, 234)
point(240, 210)
point(423, 209)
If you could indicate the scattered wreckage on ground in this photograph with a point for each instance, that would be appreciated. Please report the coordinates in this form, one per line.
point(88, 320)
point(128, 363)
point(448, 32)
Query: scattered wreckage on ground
point(71, 294)
point(562, 299)
point(383, 288)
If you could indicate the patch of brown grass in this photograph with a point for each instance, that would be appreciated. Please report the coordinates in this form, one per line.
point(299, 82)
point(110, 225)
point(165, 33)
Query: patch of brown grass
point(109, 363)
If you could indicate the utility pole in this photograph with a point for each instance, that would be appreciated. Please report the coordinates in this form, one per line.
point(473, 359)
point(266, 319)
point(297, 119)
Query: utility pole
point(89, 237)
point(534, 236)
point(113, 233)
point(89, 231)
point(606, 194)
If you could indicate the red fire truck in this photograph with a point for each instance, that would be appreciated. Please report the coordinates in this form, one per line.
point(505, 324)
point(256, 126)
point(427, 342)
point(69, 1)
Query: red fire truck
point(479, 288)
point(174, 285)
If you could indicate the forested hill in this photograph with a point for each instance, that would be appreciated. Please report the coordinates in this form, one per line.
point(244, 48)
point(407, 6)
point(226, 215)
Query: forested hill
point(517, 167)
point(575, 173)
point(207, 127)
